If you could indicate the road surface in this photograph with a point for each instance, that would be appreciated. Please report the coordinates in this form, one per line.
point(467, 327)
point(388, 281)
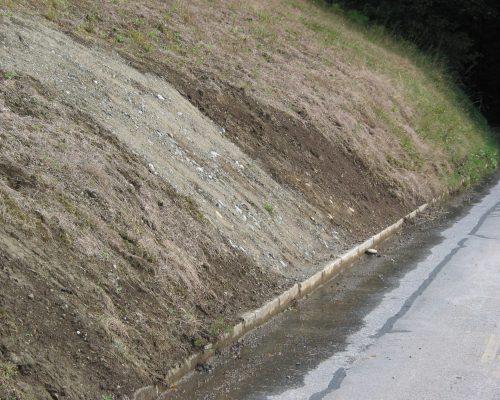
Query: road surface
point(435, 334)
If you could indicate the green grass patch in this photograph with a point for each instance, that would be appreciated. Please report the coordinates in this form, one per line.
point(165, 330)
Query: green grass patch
point(328, 34)
point(268, 207)
point(218, 327)
point(8, 75)
point(140, 39)
point(8, 372)
point(53, 9)
point(11, 209)
point(474, 167)
point(6, 13)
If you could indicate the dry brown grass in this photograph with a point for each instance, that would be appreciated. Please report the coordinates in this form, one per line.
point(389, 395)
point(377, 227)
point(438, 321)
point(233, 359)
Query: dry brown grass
point(84, 224)
point(360, 88)
point(114, 256)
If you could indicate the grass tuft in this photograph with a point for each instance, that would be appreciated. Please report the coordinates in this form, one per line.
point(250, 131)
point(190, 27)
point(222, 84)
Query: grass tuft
point(8, 75)
point(268, 207)
point(218, 327)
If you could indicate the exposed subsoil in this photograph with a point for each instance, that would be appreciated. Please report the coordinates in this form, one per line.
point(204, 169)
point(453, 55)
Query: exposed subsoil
point(188, 150)
point(296, 154)
point(134, 229)
point(108, 274)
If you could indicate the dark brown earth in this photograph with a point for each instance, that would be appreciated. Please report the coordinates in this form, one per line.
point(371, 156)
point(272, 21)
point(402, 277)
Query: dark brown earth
point(295, 153)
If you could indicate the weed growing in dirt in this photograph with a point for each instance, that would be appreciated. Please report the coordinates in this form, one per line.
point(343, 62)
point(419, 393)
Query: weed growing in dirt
point(8, 372)
point(6, 13)
point(218, 327)
point(188, 318)
point(198, 343)
point(11, 209)
point(140, 39)
point(268, 207)
point(53, 9)
point(178, 8)
point(9, 75)
point(107, 397)
point(89, 23)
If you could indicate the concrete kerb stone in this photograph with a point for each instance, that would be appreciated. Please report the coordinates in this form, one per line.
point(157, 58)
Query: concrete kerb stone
point(310, 284)
point(334, 264)
point(365, 246)
point(252, 319)
point(248, 319)
point(379, 237)
point(422, 208)
point(349, 258)
point(237, 330)
point(146, 393)
point(331, 269)
point(187, 365)
point(350, 255)
point(288, 296)
point(411, 215)
point(267, 310)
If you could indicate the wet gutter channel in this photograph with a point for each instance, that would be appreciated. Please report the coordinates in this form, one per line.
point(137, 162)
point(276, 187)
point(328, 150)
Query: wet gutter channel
point(277, 356)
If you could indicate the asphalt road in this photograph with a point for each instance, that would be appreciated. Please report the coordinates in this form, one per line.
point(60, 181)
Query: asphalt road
point(419, 322)
point(439, 339)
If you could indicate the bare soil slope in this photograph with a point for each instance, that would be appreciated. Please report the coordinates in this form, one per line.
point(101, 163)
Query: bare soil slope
point(147, 198)
point(130, 224)
point(108, 274)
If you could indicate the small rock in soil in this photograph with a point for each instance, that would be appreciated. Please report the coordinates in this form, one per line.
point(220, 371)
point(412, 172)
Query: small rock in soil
point(91, 193)
point(204, 367)
point(151, 168)
point(371, 251)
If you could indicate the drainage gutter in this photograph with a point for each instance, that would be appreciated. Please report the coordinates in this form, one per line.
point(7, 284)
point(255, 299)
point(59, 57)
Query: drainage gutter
point(255, 318)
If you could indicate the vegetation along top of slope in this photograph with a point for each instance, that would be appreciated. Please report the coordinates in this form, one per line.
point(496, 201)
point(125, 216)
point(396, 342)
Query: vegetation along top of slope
point(310, 62)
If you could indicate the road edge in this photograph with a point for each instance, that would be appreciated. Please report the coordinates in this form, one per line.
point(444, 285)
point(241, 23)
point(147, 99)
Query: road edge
point(251, 320)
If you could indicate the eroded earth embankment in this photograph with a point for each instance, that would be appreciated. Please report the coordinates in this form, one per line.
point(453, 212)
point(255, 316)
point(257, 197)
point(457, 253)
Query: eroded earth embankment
point(134, 230)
